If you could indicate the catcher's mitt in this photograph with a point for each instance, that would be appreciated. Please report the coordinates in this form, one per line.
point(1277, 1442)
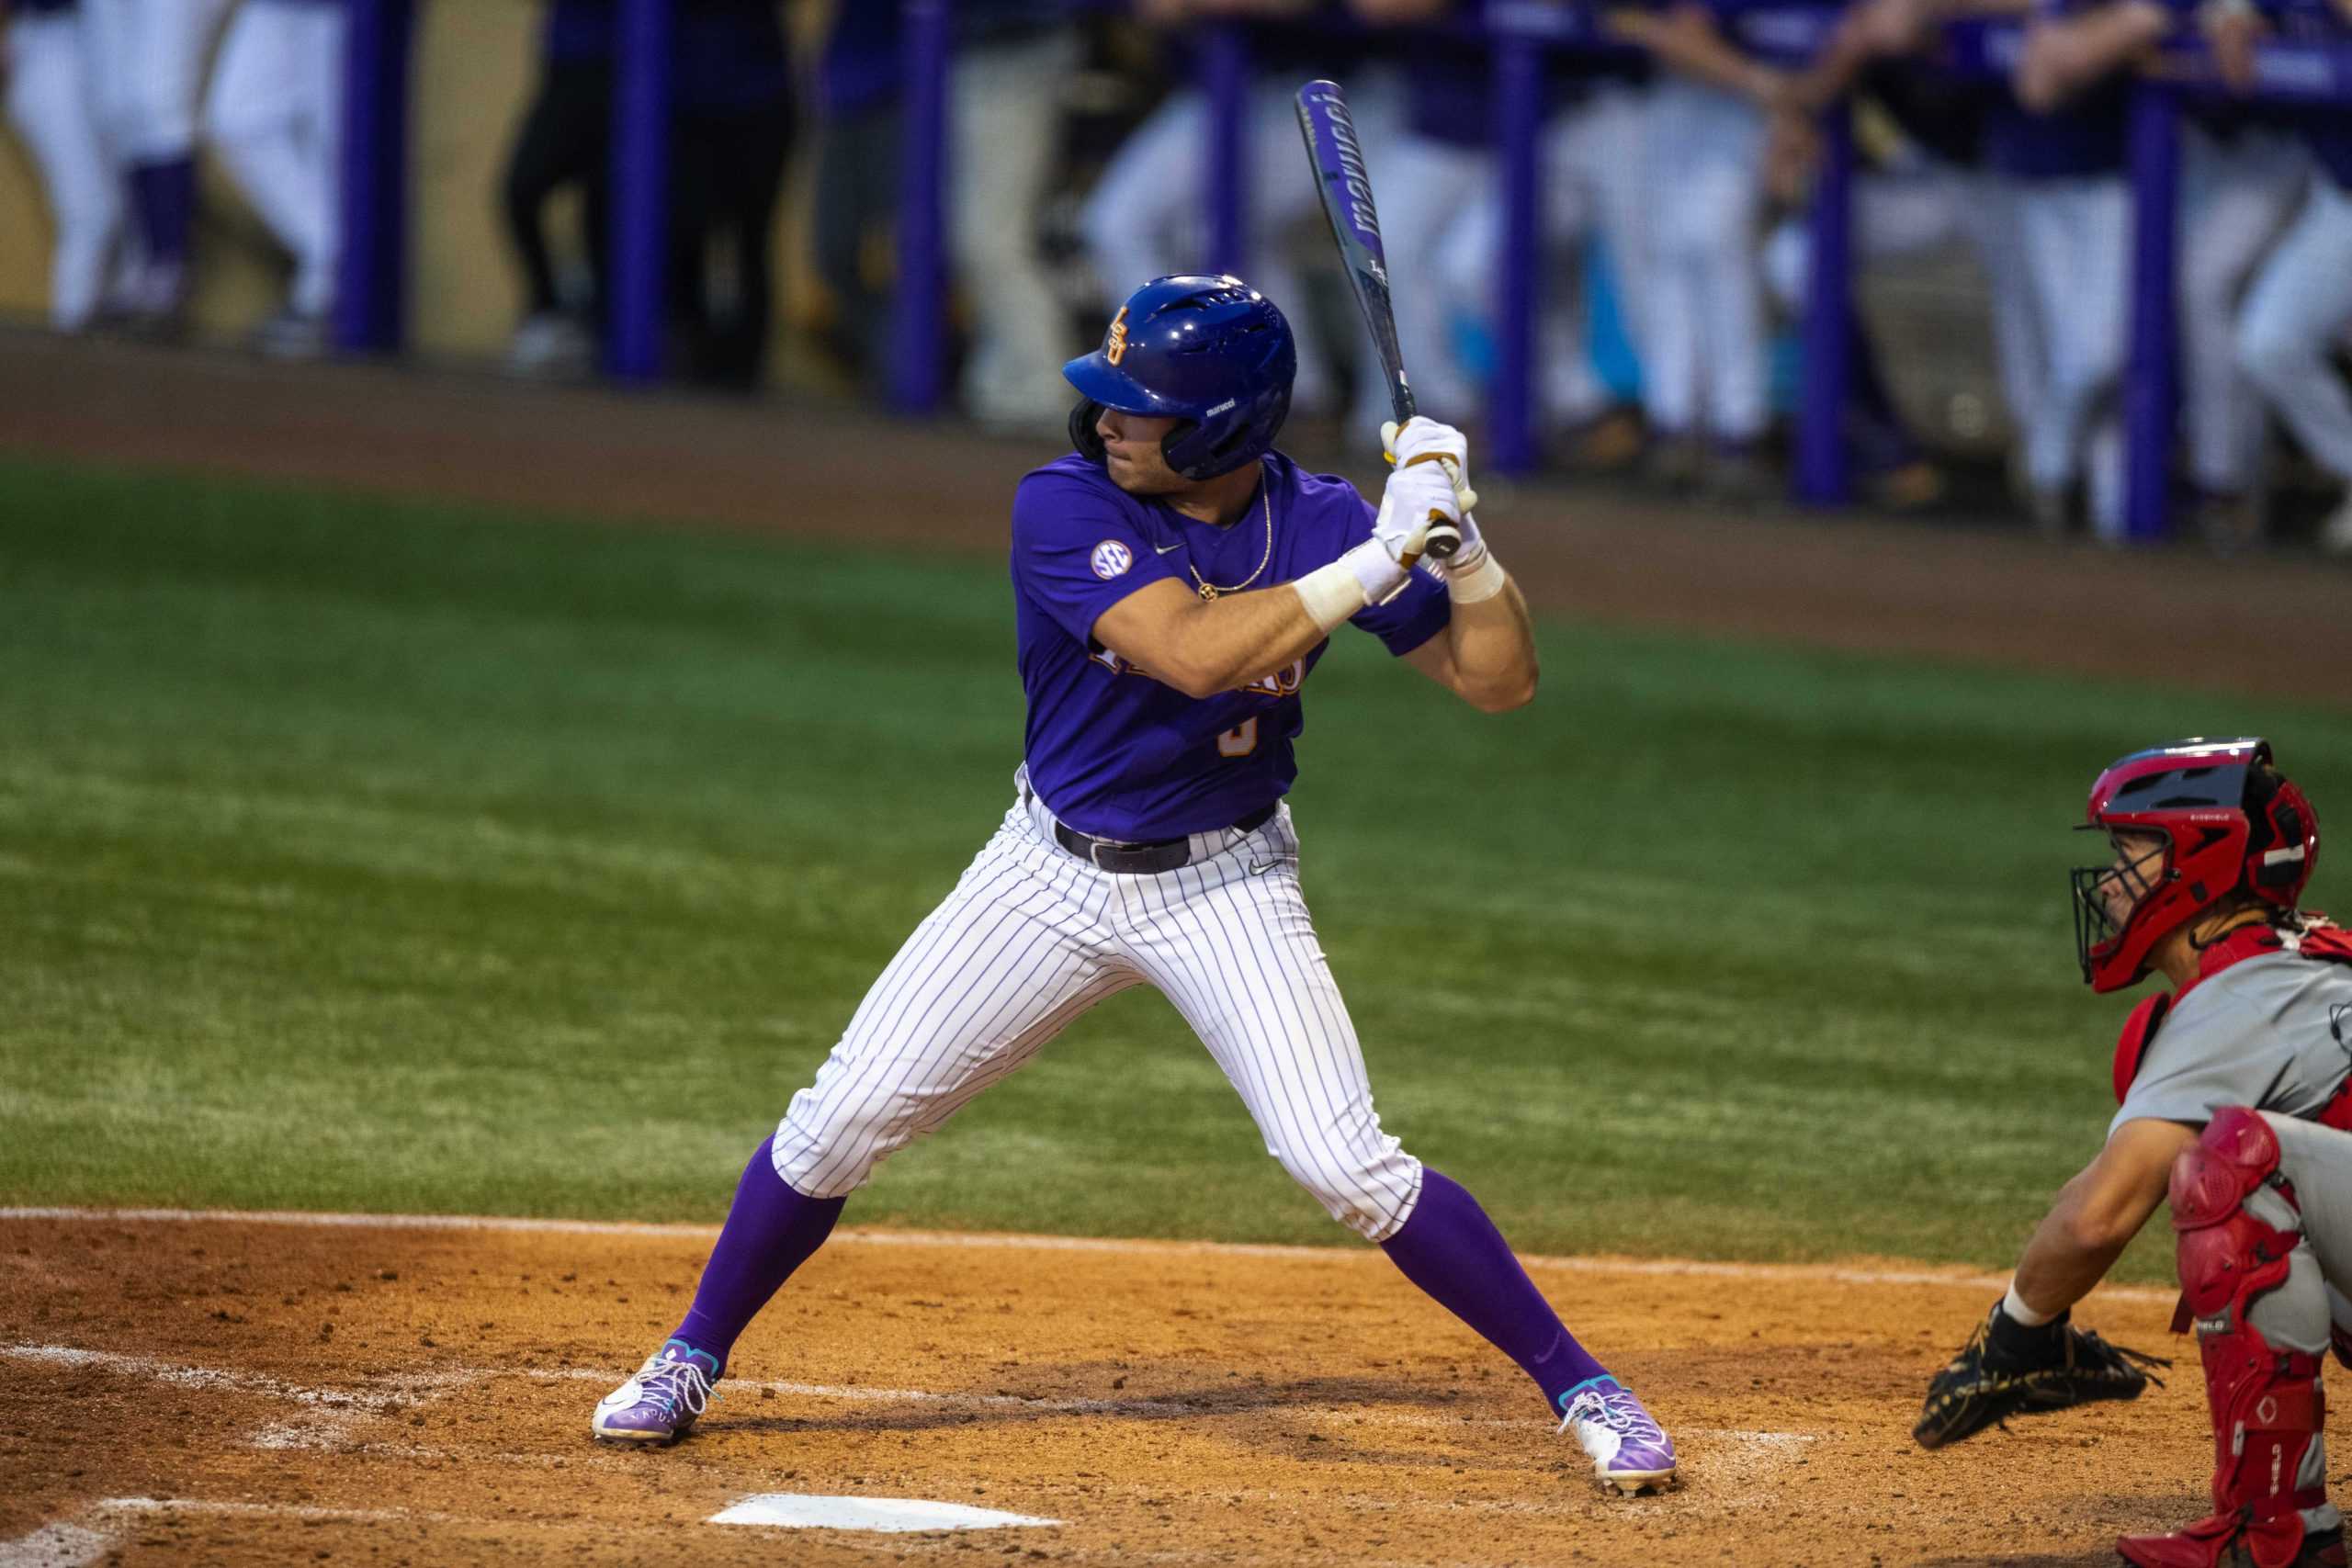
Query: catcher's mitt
point(2008, 1369)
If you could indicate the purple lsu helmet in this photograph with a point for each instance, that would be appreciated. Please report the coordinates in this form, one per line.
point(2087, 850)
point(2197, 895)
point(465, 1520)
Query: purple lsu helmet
point(1212, 352)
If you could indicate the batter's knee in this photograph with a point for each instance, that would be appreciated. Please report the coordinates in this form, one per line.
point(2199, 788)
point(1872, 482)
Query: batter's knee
point(1371, 1192)
point(825, 1150)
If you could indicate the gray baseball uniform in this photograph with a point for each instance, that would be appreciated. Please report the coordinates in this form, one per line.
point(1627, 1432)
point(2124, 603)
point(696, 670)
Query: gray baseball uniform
point(2274, 1033)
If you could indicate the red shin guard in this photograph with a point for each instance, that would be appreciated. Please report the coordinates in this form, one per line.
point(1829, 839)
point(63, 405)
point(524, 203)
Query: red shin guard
point(2267, 1403)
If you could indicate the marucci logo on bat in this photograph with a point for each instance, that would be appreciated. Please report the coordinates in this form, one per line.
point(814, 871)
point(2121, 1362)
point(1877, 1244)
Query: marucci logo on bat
point(1351, 173)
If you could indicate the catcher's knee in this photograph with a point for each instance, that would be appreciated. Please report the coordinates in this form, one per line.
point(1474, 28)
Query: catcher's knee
point(2227, 1254)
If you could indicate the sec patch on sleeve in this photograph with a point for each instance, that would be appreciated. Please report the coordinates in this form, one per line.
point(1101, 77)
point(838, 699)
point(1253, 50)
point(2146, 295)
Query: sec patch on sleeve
point(1112, 559)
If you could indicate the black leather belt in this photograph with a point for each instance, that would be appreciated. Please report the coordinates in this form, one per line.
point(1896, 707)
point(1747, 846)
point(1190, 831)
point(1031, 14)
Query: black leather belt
point(1145, 859)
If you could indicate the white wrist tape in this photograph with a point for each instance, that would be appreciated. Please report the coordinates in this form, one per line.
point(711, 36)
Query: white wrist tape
point(1481, 579)
point(1330, 594)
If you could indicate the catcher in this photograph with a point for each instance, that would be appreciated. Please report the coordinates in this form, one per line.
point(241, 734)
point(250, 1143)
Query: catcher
point(2236, 1091)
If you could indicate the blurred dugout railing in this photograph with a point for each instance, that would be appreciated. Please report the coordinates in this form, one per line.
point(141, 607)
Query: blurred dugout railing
point(1519, 34)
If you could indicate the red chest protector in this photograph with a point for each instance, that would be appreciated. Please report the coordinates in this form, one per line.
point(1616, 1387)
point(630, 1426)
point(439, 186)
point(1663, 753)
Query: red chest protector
point(2319, 940)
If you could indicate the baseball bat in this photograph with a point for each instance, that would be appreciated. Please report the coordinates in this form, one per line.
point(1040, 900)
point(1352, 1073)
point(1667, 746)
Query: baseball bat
point(1345, 188)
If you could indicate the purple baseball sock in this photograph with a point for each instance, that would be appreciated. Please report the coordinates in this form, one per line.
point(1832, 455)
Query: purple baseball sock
point(770, 1231)
point(1453, 1251)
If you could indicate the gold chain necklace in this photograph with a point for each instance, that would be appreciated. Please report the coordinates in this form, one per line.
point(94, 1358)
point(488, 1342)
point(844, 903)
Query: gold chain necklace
point(1209, 591)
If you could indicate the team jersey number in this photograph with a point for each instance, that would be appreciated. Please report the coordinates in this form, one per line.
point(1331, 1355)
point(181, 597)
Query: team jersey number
point(1239, 741)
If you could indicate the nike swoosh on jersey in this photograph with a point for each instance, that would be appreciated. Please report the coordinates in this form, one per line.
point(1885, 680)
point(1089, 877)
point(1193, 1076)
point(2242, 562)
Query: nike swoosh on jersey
point(1163, 549)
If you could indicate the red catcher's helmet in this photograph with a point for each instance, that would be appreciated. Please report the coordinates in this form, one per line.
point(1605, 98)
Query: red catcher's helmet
point(2228, 819)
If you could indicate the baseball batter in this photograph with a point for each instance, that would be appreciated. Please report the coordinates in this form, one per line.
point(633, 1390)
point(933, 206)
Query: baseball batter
point(1176, 582)
point(2235, 1097)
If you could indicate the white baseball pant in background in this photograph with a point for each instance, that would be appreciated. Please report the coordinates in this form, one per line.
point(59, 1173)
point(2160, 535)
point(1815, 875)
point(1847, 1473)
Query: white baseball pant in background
point(275, 118)
point(2236, 195)
point(2077, 235)
point(1032, 937)
point(1703, 346)
point(1006, 109)
point(50, 105)
point(147, 59)
point(1594, 182)
point(1427, 191)
point(2295, 315)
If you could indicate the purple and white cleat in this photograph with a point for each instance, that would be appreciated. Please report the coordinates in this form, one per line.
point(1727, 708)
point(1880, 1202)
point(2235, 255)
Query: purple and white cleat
point(1630, 1450)
point(661, 1402)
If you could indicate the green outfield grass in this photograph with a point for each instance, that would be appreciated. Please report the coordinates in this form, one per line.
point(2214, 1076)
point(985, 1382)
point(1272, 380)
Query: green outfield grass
point(358, 855)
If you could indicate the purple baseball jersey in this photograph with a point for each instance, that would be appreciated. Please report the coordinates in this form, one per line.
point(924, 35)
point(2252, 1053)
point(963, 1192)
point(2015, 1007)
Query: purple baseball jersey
point(1113, 751)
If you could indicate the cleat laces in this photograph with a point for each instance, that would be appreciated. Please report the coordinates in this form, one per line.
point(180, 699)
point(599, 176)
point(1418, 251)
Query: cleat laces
point(677, 1383)
point(1616, 1409)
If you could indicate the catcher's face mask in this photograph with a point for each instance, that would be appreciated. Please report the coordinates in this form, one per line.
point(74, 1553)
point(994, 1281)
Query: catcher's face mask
point(2106, 896)
point(2192, 823)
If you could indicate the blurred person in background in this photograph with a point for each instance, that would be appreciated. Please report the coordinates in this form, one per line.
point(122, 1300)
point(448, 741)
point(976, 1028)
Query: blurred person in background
point(731, 133)
point(44, 57)
point(1923, 182)
point(1012, 57)
point(565, 141)
point(1148, 214)
point(856, 200)
point(1900, 208)
point(1594, 191)
point(2300, 308)
point(150, 57)
point(274, 117)
point(2063, 157)
point(1706, 374)
point(2241, 179)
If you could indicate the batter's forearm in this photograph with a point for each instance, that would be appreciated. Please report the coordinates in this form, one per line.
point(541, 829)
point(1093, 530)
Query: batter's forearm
point(1492, 647)
point(1236, 637)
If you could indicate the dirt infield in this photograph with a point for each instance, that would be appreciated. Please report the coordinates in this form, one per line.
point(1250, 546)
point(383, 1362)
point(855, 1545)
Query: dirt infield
point(222, 1390)
point(1986, 592)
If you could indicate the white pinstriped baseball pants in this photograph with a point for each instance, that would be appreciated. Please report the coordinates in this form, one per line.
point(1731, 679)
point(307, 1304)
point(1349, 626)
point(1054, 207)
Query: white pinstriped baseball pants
point(1032, 936)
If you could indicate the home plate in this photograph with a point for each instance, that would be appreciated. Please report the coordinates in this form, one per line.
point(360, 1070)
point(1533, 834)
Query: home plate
point(794, 1511)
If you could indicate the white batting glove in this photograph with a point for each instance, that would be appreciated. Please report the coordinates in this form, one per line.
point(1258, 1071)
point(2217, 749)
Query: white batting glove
point(1383, 563)
point(1423, 440)
point(1413, 499)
